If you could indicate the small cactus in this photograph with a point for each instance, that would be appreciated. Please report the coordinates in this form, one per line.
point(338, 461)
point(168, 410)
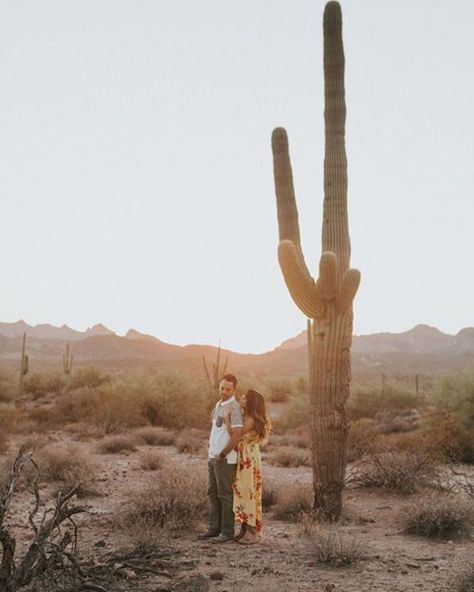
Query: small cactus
point(68, 359)
point(23, 364)
point(326, 301)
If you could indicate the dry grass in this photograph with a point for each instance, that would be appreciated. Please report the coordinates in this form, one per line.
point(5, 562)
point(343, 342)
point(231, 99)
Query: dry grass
point(331, 545)
point(400, 472)
point(288, 456)
point(292, 500)
point(464, 579)
point(151, 460)
point(175, 498)
point(439, 516)
point(155, 436)
point(116, 444)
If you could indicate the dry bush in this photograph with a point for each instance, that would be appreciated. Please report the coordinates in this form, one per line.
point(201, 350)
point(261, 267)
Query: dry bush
point(292, 500)
point(191, 442)
point(155, 436)
point(439, 516)
point(174, 498)
point(368, 402)
point(279, 390)
point(331, 545)
point(288, 456)
point(298, 438)
point(175, 400)
point(151, 460)
point(361, 439)
point(8, 386)
point(40, 384)
point(88, 377)
point(67, 465)
point(295, 414)
point(401, 472)
point(10, 417)
point(405, 420)
point(269, 494)
point(111, 408)
point(115, 444)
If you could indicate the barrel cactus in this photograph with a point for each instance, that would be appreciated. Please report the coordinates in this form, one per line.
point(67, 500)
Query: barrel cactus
point(326, 300)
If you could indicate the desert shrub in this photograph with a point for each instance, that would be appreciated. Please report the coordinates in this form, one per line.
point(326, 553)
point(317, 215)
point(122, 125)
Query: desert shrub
point(155, 436)
point(110, 408)
point(331, 545)
point(175, 400)
point(396, 421)
point(295, 414)
point(401, 472)
point(292, 500)
point(115, 444)
point(361, 439)
point(440, 516)
point(368, 402)
point(288, 456)
point(151, 460)
point(40, 384)
point(279, 390)
point(10, 416)
point(298, 438)
point(8, 386)
point(269, 494)
point(89, 377)
point(191, 442)
point(453, 426)
point(174, 498)
point(65, 465)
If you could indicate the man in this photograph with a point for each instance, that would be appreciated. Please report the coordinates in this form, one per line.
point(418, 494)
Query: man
point(222, 463)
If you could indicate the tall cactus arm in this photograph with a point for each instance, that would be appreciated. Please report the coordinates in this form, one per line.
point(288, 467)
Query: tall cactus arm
point(349, 286)
point(286, 203)
point(301, 285)
point(335, 230)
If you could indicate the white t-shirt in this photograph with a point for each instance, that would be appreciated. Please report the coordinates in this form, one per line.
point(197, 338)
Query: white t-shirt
point(219, 435)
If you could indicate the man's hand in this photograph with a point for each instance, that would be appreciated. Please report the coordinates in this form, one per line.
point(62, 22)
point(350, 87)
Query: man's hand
point(232, 443)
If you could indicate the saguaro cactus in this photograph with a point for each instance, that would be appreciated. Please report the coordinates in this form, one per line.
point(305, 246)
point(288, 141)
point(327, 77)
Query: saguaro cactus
point(327, 300)
point(68, 359)
point(23, 364)
point(217, 371)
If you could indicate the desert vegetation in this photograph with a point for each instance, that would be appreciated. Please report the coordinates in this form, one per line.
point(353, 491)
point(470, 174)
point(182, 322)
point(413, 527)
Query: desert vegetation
point(133, 447)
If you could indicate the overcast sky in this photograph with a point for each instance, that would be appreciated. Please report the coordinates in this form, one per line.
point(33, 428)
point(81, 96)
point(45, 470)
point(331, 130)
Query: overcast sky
point(136, 170)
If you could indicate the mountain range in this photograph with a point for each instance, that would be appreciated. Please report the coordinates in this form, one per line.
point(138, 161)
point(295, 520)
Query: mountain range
point(421, 350)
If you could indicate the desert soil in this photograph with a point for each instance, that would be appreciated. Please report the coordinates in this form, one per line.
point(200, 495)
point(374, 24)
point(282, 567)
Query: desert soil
point(283, 560)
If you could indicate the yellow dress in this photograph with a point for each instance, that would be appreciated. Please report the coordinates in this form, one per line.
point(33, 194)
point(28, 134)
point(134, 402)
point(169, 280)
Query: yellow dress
point(248, 482)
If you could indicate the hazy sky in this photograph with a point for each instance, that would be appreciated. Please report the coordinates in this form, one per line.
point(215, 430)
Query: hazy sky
point(136, 170)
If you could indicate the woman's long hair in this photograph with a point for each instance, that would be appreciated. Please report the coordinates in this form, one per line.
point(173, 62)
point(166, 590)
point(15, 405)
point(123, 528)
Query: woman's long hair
point(257, 411)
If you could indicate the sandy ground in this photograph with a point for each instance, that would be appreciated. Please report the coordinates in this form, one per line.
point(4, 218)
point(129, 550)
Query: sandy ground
point(283, 561)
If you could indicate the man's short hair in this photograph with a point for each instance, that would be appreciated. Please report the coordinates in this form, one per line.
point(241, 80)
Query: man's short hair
point(230, 378)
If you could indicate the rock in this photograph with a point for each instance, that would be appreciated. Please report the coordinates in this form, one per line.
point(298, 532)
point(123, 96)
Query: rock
point(193, 584)
point(216, 576)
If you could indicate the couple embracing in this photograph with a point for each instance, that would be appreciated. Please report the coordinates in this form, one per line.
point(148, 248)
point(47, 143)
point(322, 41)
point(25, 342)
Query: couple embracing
point(234, 465)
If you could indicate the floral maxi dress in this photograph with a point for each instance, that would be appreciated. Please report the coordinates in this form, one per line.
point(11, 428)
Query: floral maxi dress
point(248, 482)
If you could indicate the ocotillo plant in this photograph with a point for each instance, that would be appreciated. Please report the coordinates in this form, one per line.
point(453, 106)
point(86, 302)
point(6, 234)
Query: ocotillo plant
point(23, 363)
point(67, 363)
point(217, 371)
point(326, 301)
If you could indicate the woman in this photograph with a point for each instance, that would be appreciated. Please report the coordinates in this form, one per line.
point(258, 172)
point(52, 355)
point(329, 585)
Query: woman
point(248, 481)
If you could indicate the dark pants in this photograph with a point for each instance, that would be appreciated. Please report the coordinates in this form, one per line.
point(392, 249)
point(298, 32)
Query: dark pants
point(220, 478)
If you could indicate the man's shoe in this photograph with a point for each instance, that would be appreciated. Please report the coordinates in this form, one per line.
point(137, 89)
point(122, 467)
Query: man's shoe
point(206, 536)
point(222, 538)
